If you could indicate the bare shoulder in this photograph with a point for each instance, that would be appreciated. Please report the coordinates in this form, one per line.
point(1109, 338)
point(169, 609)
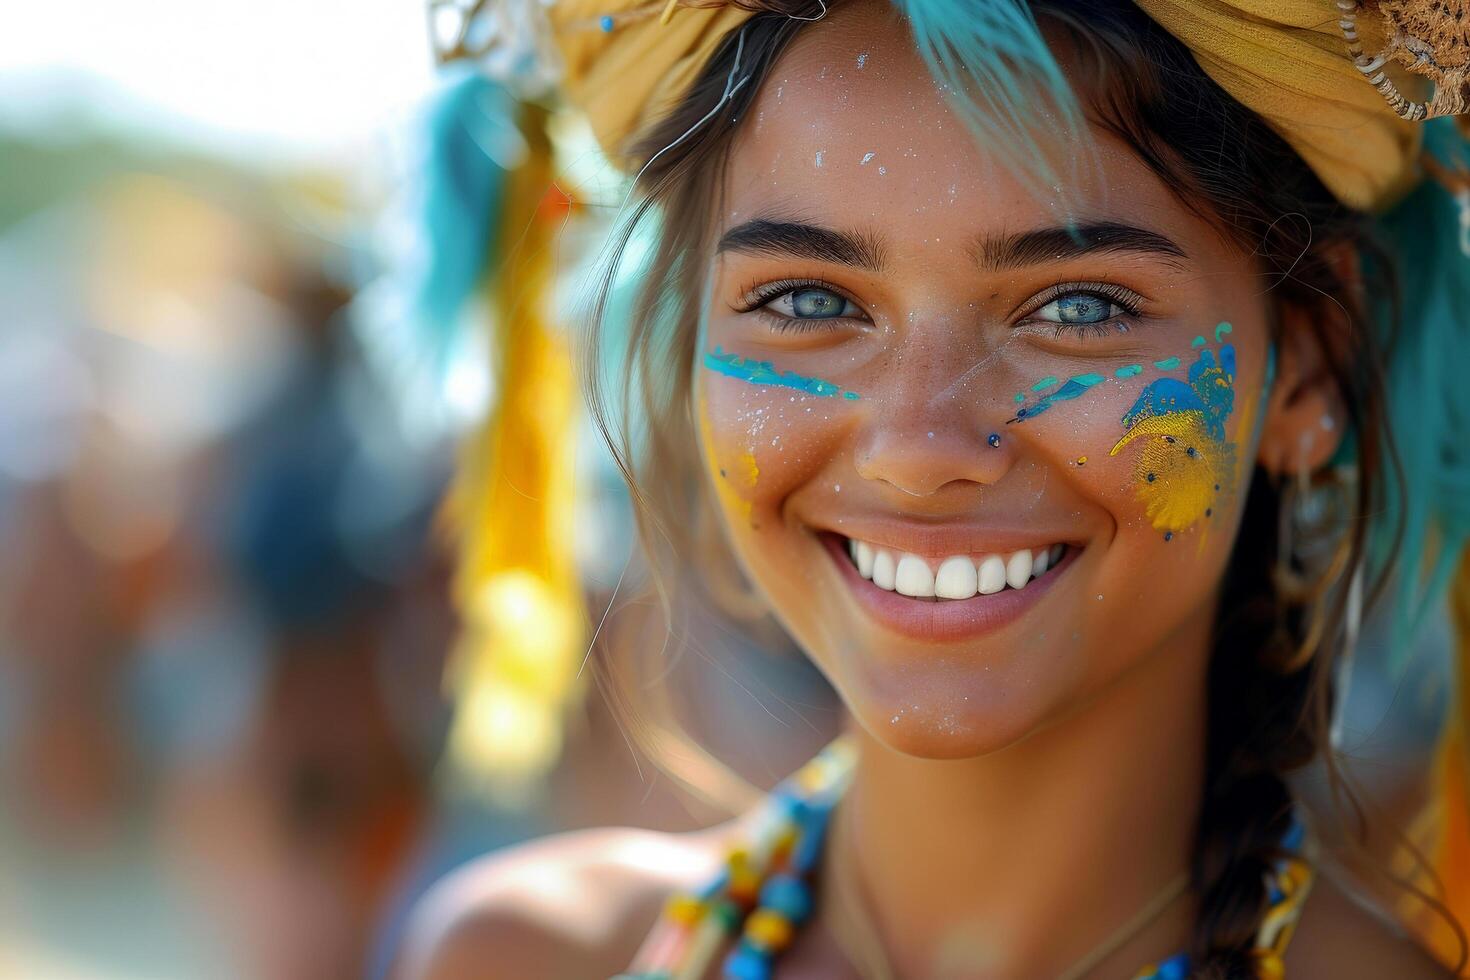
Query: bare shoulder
point(571, 905)
point(1341, 938)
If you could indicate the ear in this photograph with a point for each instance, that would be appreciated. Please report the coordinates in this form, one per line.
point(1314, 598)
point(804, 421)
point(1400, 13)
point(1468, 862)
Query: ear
point(1305, 418)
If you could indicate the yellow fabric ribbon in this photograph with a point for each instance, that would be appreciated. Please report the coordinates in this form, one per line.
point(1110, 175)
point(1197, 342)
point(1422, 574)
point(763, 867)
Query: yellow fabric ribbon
point(1284, 59)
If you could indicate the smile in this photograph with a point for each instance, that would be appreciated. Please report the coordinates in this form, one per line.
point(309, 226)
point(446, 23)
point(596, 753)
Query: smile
point(946, 598)
point(955, 577)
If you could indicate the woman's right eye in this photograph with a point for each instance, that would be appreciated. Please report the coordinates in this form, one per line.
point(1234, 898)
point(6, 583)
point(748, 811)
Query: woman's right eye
point(812, 303)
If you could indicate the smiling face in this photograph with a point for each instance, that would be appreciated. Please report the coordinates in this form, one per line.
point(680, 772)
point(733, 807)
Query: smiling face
point(979, 466)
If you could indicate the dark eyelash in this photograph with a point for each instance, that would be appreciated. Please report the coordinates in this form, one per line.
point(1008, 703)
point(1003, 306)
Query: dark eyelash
point(755, 299)
point(1131, 302)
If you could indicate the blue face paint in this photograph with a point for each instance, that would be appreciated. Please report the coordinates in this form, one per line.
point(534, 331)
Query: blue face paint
point(1221, 329)
point(1197, 342)
point(1167, 364)
point(1128, 371)
point(1210, 390)
point(1073, 388)
point(765, 373)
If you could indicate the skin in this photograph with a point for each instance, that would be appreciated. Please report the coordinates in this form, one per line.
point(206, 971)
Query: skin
point(1019, 795)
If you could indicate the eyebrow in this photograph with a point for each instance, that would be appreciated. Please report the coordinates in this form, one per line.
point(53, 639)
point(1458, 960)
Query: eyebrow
point(992, 252)
point(801, 240)
point(995, 252)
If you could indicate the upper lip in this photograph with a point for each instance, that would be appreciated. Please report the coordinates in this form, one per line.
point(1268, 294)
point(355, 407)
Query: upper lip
point(942, 540)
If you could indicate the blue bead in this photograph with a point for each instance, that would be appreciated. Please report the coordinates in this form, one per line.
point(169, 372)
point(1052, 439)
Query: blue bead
point(1174, 968)
point(605, 22)
point(745, 963)
point(787, 895)
point(813, 827)
point(1294, 834)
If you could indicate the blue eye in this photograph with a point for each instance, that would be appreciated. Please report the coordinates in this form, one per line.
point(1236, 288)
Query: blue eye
point(812, 303)
point(1088, 308)
point(1079, 308)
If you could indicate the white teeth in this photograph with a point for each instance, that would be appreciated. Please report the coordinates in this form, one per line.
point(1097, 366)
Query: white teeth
point(992, 575)
point(913, 577)
point(1018, 570)
point(883, 570)
point(956, 578)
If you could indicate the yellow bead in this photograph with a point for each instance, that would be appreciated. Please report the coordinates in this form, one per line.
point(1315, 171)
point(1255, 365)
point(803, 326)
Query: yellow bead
point(684, 909)
point(1269, 965)
point(768, 930)
point(745, 884)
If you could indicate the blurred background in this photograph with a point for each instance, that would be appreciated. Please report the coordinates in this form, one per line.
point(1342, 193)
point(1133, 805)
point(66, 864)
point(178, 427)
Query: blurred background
point(224, 590)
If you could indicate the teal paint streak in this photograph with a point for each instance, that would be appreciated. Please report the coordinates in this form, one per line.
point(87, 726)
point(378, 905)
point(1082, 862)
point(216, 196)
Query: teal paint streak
point(1074, 387)
point(1043, 384)
point(1198, 342)
point(1128, 371)
point(765, 373)
point(1221, 330)
point(1020, 398)
point(1168, 364)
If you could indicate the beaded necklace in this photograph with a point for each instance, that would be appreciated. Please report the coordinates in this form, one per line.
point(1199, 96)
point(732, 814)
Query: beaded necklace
point(763, 891)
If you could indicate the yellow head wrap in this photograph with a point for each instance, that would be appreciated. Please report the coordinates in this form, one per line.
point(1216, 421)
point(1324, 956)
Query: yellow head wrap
point(1285, 59)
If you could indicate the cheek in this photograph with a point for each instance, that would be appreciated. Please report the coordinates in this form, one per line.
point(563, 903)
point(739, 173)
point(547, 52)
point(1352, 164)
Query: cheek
point(762, 441)
point(1162, 438)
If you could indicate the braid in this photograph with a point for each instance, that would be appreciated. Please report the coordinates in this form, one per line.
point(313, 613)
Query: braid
point(1255, 735)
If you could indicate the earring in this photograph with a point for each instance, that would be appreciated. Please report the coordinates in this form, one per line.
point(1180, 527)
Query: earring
point(1313, 552)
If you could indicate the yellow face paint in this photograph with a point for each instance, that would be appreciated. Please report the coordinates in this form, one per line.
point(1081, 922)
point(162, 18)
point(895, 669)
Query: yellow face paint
point(1186, 458)
point(732, 483)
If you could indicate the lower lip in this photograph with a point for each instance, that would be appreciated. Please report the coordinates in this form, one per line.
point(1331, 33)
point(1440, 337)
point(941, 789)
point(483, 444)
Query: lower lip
point(944, 620)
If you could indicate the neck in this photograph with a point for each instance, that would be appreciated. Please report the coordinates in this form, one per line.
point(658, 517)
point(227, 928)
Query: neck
point(1022, 861)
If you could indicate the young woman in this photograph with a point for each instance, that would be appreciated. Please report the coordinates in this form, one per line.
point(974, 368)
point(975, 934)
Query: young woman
point(1035, 374)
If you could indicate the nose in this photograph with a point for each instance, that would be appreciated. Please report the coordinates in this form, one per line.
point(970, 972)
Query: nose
point(919, 443)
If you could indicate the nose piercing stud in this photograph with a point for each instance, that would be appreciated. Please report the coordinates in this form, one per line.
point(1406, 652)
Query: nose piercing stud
point(994, 440)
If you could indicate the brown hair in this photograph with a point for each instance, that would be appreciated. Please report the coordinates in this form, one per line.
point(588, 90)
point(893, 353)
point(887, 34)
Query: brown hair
point(1272, 665)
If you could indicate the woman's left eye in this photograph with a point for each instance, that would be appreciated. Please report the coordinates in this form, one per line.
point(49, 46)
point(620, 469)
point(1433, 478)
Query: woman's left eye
point(1080, 308)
